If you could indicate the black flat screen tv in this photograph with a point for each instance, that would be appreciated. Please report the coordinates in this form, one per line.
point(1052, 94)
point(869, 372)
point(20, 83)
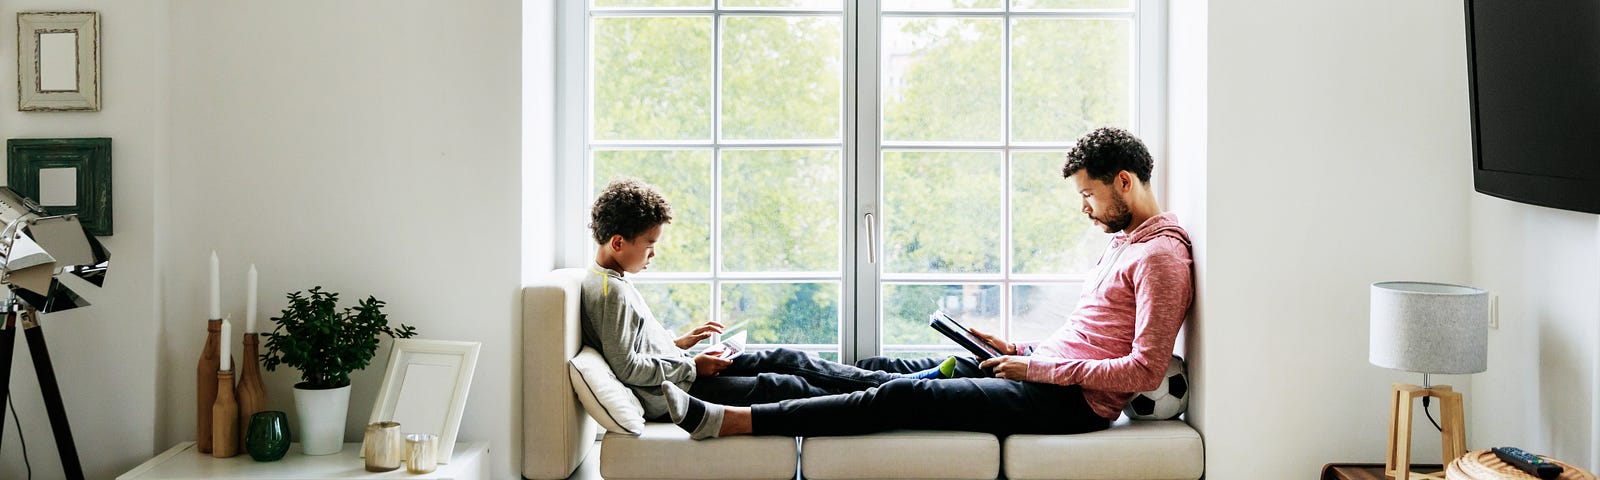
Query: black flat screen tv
point(1533, 69)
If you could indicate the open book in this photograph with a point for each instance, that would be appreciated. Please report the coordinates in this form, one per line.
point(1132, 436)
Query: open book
point(942, 322)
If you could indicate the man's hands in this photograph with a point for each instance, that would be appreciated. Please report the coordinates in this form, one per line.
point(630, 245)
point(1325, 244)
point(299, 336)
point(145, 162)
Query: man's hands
point(1009, 367)
point(995, 342)
point(699, 333)
point(711, 364)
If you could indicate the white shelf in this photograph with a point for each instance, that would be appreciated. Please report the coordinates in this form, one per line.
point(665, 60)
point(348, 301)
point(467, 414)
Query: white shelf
point(183, 462)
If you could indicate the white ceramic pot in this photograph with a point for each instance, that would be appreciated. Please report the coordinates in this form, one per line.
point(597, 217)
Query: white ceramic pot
point(321, 414)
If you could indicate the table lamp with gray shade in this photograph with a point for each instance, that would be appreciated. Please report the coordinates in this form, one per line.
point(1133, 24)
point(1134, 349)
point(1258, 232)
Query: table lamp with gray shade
point(1428, 328)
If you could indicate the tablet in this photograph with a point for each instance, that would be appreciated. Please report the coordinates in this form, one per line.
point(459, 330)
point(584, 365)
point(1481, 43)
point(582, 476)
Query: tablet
point(959, 333)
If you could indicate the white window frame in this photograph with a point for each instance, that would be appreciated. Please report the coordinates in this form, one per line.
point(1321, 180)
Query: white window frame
point(860, 332)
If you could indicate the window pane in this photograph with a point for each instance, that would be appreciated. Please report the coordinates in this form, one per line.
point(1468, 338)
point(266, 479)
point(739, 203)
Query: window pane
point(941, 79)
point(782, 312)
point(781, 210)
point(1068, 76)
point(1039, 310)
point(652, 78)
point(906, 308)
point(1068, 4)
point(684, 177)
point(679, 306)
point(939, 4)
point(803, 4)
point(1049, 232)
point(941, 212)
point(782, 77)
point(650, 3)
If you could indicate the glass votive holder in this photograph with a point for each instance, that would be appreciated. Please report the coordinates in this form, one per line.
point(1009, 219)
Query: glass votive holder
point(382, 446)
point(422, 452)
point(267, 436)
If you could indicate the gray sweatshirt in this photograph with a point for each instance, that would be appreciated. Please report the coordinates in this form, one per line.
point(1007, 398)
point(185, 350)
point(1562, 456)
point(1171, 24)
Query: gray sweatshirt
point(617, 322)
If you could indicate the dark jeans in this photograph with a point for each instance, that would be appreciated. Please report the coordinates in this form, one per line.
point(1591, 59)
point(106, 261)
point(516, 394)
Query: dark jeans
point(992, 405)
point(966, 367)
point(767, 376)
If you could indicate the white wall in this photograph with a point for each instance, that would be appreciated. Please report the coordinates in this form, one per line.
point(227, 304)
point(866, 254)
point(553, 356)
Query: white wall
point(371, 147)
point(1337, 155)
point(1540, 390)
point(105, 356)
point(1186, 171)
point(538, 139)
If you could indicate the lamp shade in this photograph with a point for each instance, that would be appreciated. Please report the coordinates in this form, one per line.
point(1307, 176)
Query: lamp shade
point(36, 247)
point(1429, 327)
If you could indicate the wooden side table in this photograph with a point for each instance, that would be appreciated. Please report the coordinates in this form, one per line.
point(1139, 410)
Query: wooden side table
point(182, 462)
point(1365, 471)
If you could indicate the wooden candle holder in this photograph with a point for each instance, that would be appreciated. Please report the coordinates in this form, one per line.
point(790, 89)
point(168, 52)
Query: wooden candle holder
point(205, 386)
point(224, 418)
point(252, 396)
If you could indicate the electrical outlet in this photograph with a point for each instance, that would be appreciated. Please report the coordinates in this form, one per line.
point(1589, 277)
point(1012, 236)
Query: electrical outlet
point(1494, 312)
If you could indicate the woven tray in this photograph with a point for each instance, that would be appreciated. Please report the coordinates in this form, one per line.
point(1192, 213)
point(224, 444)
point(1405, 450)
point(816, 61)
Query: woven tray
point(1484, 465)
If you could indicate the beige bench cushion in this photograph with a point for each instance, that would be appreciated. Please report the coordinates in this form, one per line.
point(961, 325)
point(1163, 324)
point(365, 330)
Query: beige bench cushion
point(902, 454)
point(1147, 450)
point(665, 451)
point(556, 433)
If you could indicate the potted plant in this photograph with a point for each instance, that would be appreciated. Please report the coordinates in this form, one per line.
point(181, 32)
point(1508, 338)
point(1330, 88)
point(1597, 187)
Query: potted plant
point(326, 344)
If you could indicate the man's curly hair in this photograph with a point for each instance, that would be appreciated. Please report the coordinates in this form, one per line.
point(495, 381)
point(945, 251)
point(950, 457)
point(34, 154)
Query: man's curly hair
point(628, 207)
point(1106, 151)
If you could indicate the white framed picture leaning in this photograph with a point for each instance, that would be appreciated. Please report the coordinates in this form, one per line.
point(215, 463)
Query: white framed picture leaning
point(425, 388)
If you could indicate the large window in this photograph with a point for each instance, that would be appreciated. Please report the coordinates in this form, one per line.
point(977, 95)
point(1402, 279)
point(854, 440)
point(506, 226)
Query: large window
point(840, 169)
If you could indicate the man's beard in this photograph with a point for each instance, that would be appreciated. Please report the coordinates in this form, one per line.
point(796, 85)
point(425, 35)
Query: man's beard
point(1117, 217)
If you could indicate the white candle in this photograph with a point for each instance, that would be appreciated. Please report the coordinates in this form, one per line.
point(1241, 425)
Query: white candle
point(250, 301)
point(215, 310)
point(227, 345)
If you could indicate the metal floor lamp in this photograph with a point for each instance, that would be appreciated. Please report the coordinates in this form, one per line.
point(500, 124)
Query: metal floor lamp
point(35, 249)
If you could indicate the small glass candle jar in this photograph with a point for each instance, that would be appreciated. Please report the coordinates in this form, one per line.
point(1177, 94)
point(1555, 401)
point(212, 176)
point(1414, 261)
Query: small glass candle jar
point(422, 452)
point(381, 446)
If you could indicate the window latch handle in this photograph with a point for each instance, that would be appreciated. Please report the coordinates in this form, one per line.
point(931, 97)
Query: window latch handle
point(872, 240)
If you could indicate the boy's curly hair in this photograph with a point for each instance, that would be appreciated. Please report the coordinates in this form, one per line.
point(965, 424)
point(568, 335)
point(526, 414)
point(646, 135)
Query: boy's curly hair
point(627, 207)
point(1106, 151)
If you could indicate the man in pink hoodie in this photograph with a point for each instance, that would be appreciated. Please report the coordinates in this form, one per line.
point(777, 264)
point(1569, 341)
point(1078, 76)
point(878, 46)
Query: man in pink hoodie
point(1114, 345)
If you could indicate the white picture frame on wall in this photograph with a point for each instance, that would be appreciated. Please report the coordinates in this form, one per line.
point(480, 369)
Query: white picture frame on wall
point(425, 388)
point(58, 61)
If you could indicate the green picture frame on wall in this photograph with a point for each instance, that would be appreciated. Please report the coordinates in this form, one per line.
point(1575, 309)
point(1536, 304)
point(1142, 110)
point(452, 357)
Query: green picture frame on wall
point(65, 176)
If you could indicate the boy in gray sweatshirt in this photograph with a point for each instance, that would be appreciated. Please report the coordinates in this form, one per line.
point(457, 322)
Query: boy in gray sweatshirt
point(627, 220)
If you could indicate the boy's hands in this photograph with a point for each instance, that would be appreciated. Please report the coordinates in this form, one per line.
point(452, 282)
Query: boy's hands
point(699, 333)
point(706, 364)
point(995, 342)
point(710, 364)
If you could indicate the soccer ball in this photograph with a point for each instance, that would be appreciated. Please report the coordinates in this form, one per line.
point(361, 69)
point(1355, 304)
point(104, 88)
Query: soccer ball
point(1168, 400)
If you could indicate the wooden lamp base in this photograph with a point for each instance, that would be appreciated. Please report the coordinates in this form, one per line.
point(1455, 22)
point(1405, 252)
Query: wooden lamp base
point(1453, 432)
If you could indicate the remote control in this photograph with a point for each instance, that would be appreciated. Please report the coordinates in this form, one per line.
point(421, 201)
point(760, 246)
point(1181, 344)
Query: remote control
point(1528, 462)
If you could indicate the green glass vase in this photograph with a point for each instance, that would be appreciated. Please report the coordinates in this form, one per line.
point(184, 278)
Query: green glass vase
point(268, 436)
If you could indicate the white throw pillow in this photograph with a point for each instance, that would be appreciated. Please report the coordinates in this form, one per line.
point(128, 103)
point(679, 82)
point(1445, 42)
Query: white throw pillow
point(608, 401)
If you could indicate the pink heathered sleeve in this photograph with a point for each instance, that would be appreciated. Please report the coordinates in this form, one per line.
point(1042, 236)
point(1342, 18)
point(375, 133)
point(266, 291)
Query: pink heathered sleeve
point(1163, 289)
